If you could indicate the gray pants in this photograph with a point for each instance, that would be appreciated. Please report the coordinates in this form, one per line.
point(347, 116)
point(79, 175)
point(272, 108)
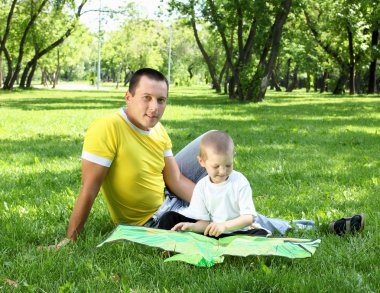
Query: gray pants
point(189, 167)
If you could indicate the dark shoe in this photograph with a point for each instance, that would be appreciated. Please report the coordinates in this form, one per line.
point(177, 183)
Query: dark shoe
point(348, 225)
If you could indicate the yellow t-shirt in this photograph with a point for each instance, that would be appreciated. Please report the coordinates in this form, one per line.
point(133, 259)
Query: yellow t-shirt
point(134, 185)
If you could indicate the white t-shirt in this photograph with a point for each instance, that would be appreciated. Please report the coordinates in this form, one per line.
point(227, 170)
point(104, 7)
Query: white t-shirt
point(223, 201)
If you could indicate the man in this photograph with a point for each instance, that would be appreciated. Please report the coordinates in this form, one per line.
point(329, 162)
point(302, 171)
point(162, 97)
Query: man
point(128, 155)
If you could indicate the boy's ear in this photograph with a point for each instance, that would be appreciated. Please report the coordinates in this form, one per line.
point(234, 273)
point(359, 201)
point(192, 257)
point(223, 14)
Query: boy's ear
point(200, 161)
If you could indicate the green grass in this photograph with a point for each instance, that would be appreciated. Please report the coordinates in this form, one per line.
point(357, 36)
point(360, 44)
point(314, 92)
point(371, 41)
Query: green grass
point(306, 155)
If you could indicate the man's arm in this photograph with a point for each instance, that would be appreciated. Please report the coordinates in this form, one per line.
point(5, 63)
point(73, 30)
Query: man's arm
point(177, 183)
point(92, 178)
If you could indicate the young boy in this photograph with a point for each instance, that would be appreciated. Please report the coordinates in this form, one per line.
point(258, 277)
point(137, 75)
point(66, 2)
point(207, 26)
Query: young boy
point(222, 202)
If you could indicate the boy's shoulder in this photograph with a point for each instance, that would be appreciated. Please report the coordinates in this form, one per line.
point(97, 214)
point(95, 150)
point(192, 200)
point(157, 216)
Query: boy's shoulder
point(237, 174)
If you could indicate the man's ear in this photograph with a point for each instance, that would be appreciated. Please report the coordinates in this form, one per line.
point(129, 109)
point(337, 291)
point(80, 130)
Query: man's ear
point(127, 97)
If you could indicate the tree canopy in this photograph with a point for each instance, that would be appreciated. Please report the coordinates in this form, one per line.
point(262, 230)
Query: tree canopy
point(240, 47)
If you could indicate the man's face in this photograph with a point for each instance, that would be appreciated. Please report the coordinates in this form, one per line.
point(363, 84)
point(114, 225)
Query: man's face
point(218, 166)
point(147, 105)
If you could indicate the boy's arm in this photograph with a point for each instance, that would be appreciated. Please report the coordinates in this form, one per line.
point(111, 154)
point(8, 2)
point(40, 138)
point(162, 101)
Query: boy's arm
point(215, 229)
point(197, 227)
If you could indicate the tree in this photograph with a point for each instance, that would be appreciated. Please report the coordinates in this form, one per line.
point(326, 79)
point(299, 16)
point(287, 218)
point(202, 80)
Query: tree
point(30, 16)
point(129, 48)
point(250, 38)
point(340, 28)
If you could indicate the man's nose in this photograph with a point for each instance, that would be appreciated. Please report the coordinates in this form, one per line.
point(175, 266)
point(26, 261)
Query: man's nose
point(222, 170)
point(153, 104)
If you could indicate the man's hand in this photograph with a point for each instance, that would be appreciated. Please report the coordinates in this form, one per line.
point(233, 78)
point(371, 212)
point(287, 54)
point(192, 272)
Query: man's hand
point(215, 229)
point(183, 226)
point(58, 246)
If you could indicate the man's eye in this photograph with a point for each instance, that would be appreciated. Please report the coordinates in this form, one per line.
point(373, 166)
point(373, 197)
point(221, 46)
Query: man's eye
point(161, 101)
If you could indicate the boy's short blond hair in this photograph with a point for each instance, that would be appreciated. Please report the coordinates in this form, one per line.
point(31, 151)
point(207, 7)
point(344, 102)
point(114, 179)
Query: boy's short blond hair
point(218, 141)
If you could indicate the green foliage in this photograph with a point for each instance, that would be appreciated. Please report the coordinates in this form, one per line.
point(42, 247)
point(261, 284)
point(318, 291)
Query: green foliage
point(306, 156)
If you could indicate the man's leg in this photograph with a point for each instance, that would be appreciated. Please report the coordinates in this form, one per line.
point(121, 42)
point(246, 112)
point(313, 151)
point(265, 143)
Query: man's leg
point(188, 163)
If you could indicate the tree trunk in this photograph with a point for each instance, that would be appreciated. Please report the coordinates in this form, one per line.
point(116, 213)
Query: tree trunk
point(1, 70)
point(287, 76)
point(293, 83)
point(57, 69)
point(358, 82)
point(206, 57)
point(30, 76)
point(3, 42)
point(10, 70)
point(308, 81)
point(25, 73)
point(30, 24)
point(226, 79)
point(276, 40)
point(372, 68)
point(222, 72)
point(352, 60)
point(231, 88)
point(316, 81)
point(340, 84)
point(221, 30)
point(43, 77)
point(323, 81)
point(274, 82)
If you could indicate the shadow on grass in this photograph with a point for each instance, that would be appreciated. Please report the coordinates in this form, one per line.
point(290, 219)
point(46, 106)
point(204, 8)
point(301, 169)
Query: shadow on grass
point(42, 147)
point(61, 100)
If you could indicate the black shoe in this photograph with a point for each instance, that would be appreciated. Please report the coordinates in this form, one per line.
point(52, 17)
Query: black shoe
point(348, 225)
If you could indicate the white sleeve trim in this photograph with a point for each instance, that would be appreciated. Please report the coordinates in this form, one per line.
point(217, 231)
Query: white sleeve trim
point(168, 153)
point(96, 159)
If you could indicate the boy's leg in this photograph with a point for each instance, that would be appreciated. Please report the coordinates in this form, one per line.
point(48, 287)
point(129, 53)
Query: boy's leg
point(170, 219)
point(273, 225)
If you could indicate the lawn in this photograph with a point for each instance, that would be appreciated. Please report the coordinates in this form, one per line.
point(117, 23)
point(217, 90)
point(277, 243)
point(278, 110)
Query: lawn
point(306, 156)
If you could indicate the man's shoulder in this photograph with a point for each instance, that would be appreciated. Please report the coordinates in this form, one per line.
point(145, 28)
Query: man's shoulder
point(108, 118)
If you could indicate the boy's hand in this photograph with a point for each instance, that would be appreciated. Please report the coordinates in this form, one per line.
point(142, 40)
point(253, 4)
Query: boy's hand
point(183, 226)
point(215, 229)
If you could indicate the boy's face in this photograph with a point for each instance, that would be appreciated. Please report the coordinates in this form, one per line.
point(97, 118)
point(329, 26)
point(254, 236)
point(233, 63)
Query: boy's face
point(218, 166)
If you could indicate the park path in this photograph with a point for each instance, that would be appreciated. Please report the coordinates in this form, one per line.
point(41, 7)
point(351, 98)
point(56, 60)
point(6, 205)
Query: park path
point(78, 86)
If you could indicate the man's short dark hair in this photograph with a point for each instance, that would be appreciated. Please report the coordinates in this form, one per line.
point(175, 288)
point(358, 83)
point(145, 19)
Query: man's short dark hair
point(148, 72)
